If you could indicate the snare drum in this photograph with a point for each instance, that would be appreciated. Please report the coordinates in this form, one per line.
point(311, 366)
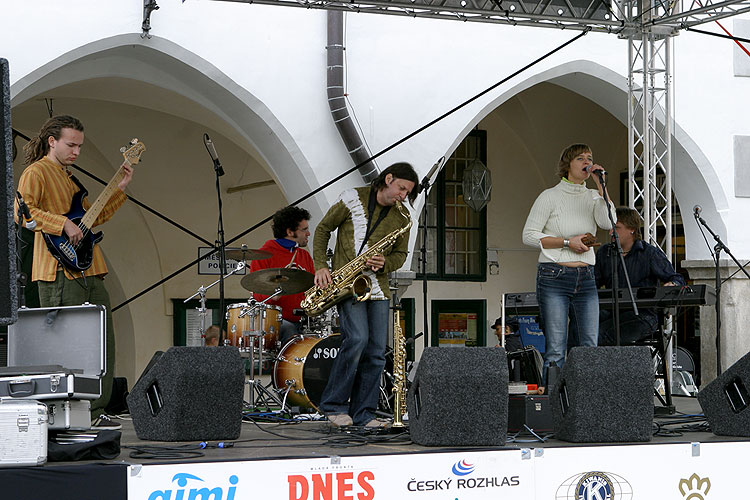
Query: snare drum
point(304, 364)
point(259, 320)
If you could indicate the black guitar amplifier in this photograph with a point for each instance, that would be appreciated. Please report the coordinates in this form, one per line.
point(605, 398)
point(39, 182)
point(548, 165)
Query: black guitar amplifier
point(533, 411)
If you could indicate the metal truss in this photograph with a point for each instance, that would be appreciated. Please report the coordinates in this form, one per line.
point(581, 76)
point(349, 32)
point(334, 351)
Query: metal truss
point(650, 128)
point(650, 123)
point(610, 16)
point(688, 13)
point(592, 15)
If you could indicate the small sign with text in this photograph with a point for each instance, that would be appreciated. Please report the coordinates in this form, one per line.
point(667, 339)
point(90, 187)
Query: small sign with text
point(210, 265)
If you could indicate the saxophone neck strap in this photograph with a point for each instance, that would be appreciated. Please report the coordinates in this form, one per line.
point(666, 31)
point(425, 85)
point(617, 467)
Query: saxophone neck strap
point(372, 202)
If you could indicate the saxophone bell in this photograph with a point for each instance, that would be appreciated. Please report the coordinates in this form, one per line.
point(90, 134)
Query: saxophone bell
point(361, 288)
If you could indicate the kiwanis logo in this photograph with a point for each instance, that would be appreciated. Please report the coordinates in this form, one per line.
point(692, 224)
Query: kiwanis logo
point(695, 487)
point(595, 485)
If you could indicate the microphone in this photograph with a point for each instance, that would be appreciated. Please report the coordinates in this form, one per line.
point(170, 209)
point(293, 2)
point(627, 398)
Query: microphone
point(599, 173)
point(215, 157)
point(28, 222)
point(425, 184)
point(697, 210)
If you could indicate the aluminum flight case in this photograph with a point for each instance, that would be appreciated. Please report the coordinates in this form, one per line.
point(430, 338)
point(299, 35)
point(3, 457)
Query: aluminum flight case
point(47, 382)
point(23, 427)
point(55, 353)
point(68, 414)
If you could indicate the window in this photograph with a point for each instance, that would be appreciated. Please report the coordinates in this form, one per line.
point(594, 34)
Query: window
point(456, 234)
point(459, 323)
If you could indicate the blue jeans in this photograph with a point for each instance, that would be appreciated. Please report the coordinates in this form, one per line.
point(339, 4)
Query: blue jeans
point(566, 295)
point(354, 382)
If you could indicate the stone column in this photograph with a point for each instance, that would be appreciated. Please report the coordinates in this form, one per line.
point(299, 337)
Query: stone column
point(735, 315)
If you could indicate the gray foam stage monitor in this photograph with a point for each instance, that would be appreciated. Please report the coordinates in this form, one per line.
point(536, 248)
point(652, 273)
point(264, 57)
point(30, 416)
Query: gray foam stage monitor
point(459, 397)
point(190, 394)
point(8, 285)
point(725, 400)
point(605, 395)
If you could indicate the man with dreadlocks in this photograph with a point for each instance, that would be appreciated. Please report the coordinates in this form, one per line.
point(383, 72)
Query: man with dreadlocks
point(48, 186)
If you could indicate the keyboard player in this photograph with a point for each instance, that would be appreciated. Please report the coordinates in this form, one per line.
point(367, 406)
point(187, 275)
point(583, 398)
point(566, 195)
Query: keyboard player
point(647, 267)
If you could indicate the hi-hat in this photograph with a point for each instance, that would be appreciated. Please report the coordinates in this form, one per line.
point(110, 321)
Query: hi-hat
point(244, 253)
point(290, 281)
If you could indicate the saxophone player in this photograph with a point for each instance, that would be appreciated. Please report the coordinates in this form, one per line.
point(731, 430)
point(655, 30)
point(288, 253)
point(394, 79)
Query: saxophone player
point(363, 216)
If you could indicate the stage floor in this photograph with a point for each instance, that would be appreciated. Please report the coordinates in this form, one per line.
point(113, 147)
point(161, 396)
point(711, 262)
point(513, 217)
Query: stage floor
point(311, 460)
point(315, 439)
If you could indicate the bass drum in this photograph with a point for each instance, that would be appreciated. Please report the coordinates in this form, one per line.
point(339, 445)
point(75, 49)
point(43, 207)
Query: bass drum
point(304, 365)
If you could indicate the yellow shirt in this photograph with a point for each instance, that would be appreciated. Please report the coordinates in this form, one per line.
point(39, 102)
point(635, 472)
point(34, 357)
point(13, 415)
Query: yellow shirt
point(48, 191)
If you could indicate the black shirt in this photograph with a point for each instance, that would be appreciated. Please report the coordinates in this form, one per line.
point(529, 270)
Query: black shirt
point(646, 264)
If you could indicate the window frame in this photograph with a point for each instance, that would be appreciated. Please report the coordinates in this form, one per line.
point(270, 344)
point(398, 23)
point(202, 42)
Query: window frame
point(440, 227)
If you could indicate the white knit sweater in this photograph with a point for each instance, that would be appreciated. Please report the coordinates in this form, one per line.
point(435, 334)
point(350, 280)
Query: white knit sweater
point(565, 211)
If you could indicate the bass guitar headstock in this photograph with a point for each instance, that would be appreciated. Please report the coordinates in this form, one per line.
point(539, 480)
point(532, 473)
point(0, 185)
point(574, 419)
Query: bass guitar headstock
point(133, 151)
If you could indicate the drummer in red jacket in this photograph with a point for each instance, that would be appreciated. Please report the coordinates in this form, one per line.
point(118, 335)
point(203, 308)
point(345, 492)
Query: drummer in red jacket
point(291, 232)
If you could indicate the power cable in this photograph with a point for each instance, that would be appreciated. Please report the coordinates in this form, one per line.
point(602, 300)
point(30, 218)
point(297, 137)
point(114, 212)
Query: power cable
point(729, 37)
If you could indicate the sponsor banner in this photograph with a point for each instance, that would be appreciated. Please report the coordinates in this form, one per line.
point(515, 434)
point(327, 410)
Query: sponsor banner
point(711, 471)
point(463, 476)
point(684, 471)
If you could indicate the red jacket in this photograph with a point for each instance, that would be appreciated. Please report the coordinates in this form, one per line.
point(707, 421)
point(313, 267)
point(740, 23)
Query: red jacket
point(280, 258)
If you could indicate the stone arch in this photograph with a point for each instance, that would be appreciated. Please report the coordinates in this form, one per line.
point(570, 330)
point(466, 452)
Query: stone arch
point(695, 180)
point(235, 112)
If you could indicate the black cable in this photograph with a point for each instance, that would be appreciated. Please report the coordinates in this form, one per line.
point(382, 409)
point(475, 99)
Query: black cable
point(370, 159)
point(732, 275)
point(143, 206)
point(730, 37)
point(165, 452)
point(279, 435)
point(348, 436)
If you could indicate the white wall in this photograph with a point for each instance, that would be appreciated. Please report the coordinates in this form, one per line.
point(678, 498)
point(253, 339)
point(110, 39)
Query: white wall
point(254, 78)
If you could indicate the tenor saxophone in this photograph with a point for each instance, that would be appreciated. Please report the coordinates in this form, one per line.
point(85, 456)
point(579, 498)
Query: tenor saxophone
point(349, 281)
point(399, 369)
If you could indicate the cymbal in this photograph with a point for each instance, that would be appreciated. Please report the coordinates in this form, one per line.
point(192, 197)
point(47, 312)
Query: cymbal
point(244, 253)
point(266, 281)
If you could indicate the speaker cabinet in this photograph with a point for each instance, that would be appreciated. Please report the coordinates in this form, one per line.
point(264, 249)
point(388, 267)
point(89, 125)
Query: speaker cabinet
point(8, 285)
point(725, 400)
point(189, 394)
point(605, 394)
point(459, 397)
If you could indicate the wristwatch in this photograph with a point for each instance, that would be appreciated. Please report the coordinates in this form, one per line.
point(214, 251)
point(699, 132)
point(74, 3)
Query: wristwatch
point(566, 243)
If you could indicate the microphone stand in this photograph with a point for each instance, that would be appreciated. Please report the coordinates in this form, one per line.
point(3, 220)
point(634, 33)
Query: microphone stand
point(424, 187)
point(201, 294)
point(21, 278)
point(717, 253)
point(615, 250)
point(222, 253)
point(423, 266)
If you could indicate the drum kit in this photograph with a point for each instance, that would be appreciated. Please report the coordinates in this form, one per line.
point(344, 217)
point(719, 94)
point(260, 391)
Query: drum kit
point(302, 365)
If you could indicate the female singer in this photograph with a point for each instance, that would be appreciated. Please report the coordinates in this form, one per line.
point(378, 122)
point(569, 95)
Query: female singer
point(558, 224)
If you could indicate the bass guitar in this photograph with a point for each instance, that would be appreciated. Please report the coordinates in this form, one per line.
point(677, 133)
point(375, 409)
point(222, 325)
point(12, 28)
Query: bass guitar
point(78, 258)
